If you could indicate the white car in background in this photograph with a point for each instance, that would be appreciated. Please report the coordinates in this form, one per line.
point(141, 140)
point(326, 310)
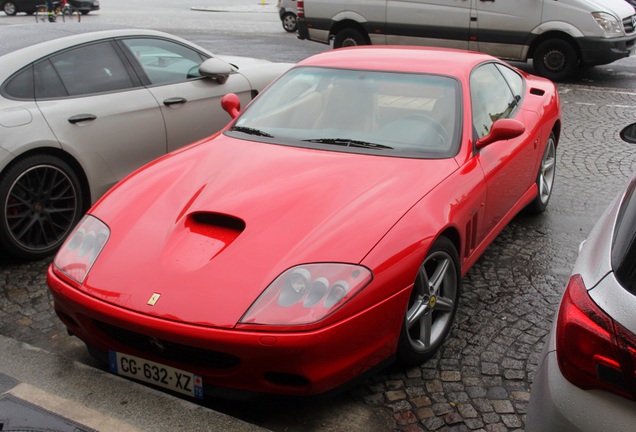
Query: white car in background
point(80, 109)
point(586, 379)
point(288, 12)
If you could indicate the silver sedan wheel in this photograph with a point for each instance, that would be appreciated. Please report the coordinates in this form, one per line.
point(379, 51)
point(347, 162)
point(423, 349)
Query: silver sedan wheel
point(41, 203)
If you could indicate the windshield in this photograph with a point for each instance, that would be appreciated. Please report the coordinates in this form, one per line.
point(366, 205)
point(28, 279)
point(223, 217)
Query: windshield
point(381, 112)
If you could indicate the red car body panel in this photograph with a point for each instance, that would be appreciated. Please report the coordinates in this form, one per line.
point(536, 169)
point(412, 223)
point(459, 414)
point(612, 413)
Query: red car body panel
point(290, 218)
point(298, 205)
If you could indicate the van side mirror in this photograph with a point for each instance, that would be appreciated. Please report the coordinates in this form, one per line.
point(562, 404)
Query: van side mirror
point(216, 69)
point(628, 134)
point(502, 129)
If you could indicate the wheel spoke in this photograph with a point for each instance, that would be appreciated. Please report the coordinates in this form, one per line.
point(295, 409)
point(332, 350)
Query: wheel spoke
point(437, 278)
point(426, 326)
point(444, 304)
point(548, 164)
point(416, 312)
point(544, 186)
point(420, 306)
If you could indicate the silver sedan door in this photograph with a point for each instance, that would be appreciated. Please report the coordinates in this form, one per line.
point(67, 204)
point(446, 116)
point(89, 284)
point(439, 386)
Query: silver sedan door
point(190, 103)
point(99, 112)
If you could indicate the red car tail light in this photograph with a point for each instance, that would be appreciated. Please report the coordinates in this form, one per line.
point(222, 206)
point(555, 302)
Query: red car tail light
point(300, 8)
point(593, 351)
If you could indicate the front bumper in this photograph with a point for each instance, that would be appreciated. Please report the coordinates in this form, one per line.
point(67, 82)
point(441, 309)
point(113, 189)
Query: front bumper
point(597, 51)
point(235, 361)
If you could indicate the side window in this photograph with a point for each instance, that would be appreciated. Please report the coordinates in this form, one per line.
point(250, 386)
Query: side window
point(165, 61)
point(514, 80)
point(491, 98)
point(47, 82)
point(20, 86)
point(94, 68)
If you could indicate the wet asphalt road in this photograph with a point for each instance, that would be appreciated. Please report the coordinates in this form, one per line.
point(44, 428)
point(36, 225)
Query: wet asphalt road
point(480, 379)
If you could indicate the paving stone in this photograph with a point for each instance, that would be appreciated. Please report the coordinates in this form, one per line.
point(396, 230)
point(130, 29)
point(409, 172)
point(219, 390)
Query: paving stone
point(424, 413)
point(395, 395)
point(502, 406)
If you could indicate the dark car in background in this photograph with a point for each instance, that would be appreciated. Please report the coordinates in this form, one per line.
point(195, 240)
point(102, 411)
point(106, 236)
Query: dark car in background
point(12, 7)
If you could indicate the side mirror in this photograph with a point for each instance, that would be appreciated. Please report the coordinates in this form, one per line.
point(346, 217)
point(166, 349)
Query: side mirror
point(502, 129)
point(231, 104)
point(216, 69)
point(628, 134)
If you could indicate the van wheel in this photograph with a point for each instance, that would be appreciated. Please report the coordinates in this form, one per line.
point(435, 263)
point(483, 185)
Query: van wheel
point(349, 37)
point(555, 59)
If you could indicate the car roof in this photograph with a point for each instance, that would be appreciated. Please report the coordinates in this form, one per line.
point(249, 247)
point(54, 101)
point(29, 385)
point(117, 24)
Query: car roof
point(17, 37)
point(416, 59)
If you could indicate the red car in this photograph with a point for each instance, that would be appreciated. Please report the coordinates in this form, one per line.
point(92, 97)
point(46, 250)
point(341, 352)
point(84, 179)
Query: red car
point(322, 234)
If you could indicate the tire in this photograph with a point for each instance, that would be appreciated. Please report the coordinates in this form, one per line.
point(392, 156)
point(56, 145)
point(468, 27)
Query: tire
point(71, 14)
point(349, 37)
point(545, 177)
point(42, 201)
point(432, 306)
point(10, 8)
point(555, 59)
point(290, 22)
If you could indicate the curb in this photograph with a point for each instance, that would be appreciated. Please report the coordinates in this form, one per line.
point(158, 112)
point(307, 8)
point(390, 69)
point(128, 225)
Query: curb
point(44, 391)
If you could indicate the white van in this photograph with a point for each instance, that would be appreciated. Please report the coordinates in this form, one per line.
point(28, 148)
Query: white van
point(558, 35)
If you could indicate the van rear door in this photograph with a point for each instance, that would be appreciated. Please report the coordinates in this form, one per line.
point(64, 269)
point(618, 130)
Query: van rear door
point(443, 23)
point(503, 28)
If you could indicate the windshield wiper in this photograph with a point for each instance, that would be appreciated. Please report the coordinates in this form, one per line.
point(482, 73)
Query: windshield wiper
point(251, 131)
point(347, 142)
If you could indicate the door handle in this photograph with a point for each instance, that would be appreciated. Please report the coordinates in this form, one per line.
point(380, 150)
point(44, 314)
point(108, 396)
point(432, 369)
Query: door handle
point(174, 101)
point(81, 118)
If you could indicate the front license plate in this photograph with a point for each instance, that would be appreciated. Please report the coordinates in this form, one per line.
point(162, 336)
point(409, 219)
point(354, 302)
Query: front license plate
point(154, 373)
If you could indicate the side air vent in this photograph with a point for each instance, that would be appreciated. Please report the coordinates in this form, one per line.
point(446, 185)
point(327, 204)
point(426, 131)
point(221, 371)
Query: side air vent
point(537, 92)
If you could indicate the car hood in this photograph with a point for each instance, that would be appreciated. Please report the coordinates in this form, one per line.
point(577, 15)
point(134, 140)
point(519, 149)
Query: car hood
point(210, 227)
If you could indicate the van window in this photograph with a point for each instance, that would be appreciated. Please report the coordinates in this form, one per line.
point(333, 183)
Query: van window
point(492, 98)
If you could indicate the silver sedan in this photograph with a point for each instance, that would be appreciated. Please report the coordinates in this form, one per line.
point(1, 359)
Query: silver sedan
point(586, 379)
point(82, 107)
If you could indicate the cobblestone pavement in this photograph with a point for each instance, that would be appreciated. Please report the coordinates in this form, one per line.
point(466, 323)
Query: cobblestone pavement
point(480, 379)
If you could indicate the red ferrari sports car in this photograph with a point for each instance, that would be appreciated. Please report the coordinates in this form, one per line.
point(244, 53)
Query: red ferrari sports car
point(322, 234)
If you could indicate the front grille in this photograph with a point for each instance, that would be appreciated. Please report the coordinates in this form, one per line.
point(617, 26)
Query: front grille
point(629, 24)
point(184, 354)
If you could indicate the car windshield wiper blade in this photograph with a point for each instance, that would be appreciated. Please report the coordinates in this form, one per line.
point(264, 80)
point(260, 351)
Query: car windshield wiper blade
point(349, 143)
point(251, 131)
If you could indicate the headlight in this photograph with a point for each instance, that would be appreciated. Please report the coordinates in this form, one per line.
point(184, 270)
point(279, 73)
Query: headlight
point(608, 23)
point(80, 250)
point(308, 293)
